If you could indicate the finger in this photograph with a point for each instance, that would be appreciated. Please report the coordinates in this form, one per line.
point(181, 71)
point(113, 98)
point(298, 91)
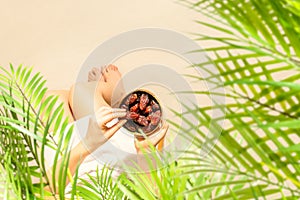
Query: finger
point(102, 73)
point(144, 145)
point(158, 137)
point(118, 109)
point(101, 112)
point(107, 114)
point(94, 70)
point(160, 144)
point(102, 109)
point(110, 132)
point(110, 116)
point(138, 143)
point(111, 123)
point(139, 139)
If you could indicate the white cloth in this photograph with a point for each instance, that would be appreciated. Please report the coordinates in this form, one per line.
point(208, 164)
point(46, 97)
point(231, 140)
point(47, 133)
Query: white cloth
point(116, 152)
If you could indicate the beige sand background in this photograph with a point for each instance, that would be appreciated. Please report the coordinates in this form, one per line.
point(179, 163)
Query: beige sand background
point(57, 36)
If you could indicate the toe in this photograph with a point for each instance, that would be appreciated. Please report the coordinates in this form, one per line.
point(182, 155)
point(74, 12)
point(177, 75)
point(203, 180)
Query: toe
point(104, 73)
point(90, 77)
point(116, 68)
point(102, 78)
point(110, 72)
point(112, 67)
point(94, 74)
point(95, 70)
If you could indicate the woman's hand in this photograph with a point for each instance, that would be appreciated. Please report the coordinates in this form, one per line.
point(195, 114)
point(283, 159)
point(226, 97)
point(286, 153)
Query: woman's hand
point(99, 131)
point(144, 144)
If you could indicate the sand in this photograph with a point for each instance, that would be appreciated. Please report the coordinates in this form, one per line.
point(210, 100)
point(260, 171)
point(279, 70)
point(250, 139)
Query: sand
point(57, 36)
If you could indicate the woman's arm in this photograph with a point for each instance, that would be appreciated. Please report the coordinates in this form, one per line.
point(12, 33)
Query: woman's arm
point(77, 155)
point(97, 134)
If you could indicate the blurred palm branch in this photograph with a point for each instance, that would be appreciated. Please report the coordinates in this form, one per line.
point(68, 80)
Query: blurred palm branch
point(256, 50)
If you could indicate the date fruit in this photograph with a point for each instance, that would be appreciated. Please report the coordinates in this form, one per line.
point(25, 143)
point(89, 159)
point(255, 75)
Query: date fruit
point(134, 108)
point(144, 100)
point(143, 111)
point(155, 117)
point(154, 105)
point(142, 120)
point(132, 115)
point(131, 99)
point(148, 110)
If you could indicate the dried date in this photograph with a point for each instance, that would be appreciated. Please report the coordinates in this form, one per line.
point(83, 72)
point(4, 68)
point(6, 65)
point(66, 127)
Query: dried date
point(148, 110)
point(132, 115)
point(154, 105)
point(143, 112)
point(131, 99)
point(142, 120)
point(155, 118)
point(130, 126)
point(134, 108)
point(148, 128)
point(144, 100)
point(124, 106)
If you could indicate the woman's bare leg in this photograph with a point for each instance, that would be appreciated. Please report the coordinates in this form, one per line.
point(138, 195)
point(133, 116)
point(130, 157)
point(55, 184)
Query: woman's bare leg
point(63, 98)
point(87, 97)
point(113, 89)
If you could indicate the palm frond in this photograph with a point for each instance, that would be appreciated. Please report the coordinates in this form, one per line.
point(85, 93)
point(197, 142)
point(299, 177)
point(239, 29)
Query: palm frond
point(25, 124)
point(160, 182)
point(99, 185)
point(255, 47)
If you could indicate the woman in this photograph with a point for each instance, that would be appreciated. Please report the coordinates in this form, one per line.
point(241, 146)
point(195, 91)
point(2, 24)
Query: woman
point(94, 99)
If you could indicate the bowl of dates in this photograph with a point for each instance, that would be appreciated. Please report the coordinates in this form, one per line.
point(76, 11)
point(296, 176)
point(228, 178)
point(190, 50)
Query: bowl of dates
point(144, 112)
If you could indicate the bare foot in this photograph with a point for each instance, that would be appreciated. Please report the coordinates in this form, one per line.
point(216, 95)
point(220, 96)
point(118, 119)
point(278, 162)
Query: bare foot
point(87, 97)
point(110, 86)
point(111, 74)
point(113, 90)
point(94, 74)
point(97, 73)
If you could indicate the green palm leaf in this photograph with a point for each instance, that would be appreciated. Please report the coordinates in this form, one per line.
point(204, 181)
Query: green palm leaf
point(100, 185)
point(25, 133)
point(261, 136)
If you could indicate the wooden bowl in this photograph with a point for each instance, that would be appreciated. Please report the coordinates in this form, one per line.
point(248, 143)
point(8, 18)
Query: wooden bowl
point(144, 117)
